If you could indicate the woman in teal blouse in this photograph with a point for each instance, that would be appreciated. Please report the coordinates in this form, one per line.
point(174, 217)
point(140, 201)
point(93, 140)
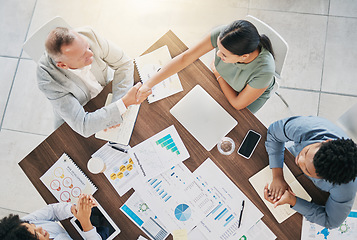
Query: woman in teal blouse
point(244, 64)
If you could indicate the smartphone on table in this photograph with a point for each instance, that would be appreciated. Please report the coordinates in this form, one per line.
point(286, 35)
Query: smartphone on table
point(249, 144)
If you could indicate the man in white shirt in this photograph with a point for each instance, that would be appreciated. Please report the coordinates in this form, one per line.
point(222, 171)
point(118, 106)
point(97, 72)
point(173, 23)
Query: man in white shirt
point(42, 224)
point(73, 70)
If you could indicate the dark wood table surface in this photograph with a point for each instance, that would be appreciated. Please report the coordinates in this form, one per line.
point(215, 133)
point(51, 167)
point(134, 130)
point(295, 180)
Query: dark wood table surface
point(152, 119)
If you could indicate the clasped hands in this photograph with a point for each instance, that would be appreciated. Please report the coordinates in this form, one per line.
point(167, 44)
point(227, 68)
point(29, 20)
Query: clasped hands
point(279, 193)
point(83, 210)
point(136, 95)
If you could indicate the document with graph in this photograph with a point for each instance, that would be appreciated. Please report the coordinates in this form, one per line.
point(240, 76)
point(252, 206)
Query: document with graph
point(159, 153)
point(346, 231)
point(66, 181)
point(151, 63)
point(177, 198)
point(140, 213)
point(282, 212)
point(227, 220)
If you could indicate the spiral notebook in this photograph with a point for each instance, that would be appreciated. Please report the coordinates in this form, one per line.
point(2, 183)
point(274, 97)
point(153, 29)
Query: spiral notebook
point(66, 181)
point(151, 63)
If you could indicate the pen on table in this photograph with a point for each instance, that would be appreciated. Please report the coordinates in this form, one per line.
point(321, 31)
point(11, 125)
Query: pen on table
point(120, 149)
point(241, 214)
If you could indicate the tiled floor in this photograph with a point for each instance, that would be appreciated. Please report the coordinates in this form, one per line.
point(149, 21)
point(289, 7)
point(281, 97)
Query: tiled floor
point(318, 78)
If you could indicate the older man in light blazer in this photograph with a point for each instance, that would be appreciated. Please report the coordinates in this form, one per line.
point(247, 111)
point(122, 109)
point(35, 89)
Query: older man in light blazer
point(73, 70)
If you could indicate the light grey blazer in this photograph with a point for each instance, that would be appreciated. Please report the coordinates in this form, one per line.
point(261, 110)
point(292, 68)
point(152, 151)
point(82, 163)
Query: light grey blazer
point(68, 94)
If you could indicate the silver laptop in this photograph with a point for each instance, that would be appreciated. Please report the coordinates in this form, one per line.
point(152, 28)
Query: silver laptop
point(203, 117)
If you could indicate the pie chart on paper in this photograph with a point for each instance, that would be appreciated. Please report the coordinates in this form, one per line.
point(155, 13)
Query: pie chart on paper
point(182, 212)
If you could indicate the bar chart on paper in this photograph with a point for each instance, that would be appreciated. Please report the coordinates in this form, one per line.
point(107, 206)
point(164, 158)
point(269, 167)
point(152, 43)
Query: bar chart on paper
point(168, 143)
point(159, 153)
point(159, 189)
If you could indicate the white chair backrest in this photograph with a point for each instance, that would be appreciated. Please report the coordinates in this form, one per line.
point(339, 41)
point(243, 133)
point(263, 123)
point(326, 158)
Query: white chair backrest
point(280, 46)
point(348, 122)
point(35, 45)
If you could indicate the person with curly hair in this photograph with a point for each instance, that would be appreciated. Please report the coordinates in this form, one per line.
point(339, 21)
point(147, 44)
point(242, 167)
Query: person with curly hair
point(42, 224)
point(325, 155)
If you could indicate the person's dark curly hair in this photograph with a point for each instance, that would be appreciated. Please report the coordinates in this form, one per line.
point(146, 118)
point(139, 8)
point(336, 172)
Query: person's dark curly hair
point(336, 161)
point(11, 228)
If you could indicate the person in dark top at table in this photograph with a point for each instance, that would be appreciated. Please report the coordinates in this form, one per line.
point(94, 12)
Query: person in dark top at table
point(325, 155)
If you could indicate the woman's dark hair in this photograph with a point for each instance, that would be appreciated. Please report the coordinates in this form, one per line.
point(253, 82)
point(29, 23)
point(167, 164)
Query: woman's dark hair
point(242, 37)
point(11, 228)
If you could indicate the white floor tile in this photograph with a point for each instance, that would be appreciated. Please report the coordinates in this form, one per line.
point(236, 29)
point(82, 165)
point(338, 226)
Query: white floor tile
point(4, 212)
point(346, 8)
point(305, 35)
point(15, 186)
point(340, 57)
point(301, 6)
point(15, 16)
point(333, 106)
point(300, 103)
point(7, 71)
point(127, 22)
point(28, 109)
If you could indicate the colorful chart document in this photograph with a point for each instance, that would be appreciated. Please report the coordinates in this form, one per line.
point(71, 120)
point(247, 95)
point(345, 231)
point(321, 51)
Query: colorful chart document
point(222, 223)
point(282, 212)
point(120, 168)
point(151, 63)
point(177, 198)
point(159, 153)
point(347, 230)
point(138, 211)
point(66, 181)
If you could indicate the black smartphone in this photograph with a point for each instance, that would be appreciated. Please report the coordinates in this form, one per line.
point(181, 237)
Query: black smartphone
point(249, 143)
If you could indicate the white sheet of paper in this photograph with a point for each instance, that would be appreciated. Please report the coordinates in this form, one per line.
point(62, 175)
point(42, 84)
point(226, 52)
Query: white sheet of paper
point(122, 133)
point(222, 221)
point(159, 153)
point(258, 231)
point(151, 63)
point(282, 212)
point(120, 168)
point(177, 198)
point(138, 211)
point(347, 230)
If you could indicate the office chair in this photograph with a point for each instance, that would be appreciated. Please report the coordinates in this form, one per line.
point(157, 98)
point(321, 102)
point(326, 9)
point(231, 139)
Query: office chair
point(280, 47)
point(348, 122)
point(35, 45)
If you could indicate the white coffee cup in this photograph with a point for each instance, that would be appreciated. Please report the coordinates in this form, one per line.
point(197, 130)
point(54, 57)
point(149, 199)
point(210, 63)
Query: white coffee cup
point(96, 165)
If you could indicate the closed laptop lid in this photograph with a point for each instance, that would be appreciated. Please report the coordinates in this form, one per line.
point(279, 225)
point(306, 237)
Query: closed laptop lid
point(203, 117)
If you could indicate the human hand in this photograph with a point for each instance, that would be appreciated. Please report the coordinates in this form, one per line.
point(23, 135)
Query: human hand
point(143, 92)
point(287, 198)
point(130, 96)
point(83, 210)
point(277, 188)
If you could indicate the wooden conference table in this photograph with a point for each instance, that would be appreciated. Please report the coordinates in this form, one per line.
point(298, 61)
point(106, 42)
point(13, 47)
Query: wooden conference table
point(152, 119)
